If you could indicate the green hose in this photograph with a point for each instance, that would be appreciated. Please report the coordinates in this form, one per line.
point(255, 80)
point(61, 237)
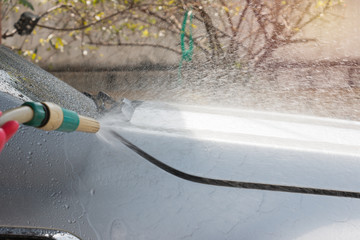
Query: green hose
point(186, 54)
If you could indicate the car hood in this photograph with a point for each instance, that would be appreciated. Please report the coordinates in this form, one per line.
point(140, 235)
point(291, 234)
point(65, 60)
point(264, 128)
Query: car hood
point(96, 187)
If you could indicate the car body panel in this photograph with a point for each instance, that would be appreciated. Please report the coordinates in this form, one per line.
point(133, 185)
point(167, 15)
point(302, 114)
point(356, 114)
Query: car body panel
point(97, 188)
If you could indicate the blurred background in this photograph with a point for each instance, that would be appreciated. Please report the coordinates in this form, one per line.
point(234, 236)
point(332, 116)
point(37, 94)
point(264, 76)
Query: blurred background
point(293, 56)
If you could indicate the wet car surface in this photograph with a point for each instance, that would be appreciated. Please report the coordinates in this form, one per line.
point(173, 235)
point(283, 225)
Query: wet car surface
point(97, 188)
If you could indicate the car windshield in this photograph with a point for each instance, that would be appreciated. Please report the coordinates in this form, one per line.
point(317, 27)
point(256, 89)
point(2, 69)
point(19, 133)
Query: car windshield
point(284, 56)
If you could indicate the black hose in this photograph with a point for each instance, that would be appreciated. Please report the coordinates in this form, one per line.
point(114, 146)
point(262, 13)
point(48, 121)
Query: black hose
point(234, 184)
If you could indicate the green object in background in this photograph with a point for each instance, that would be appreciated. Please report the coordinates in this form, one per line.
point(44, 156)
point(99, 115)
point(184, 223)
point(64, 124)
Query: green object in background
point(186, 54)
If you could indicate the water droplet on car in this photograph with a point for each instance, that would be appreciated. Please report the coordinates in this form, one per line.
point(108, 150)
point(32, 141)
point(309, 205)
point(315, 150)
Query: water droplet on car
point(92, 192)
point(72, 221)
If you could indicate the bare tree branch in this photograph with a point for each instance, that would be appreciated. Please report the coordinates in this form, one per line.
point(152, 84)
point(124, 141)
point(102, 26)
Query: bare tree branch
point(232, 28)
point(315, 16)
point(84, 26)
point(300, 40)
point(7, 34)
point(241, 19)
point(176, 29)
point(135, 45)
point(232, 49)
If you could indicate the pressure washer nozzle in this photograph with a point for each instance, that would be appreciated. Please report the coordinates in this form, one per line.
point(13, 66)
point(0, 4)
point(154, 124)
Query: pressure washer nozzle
point(49, 116)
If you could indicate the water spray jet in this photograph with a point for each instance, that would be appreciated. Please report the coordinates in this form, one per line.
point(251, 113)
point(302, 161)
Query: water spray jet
point(49, 116)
